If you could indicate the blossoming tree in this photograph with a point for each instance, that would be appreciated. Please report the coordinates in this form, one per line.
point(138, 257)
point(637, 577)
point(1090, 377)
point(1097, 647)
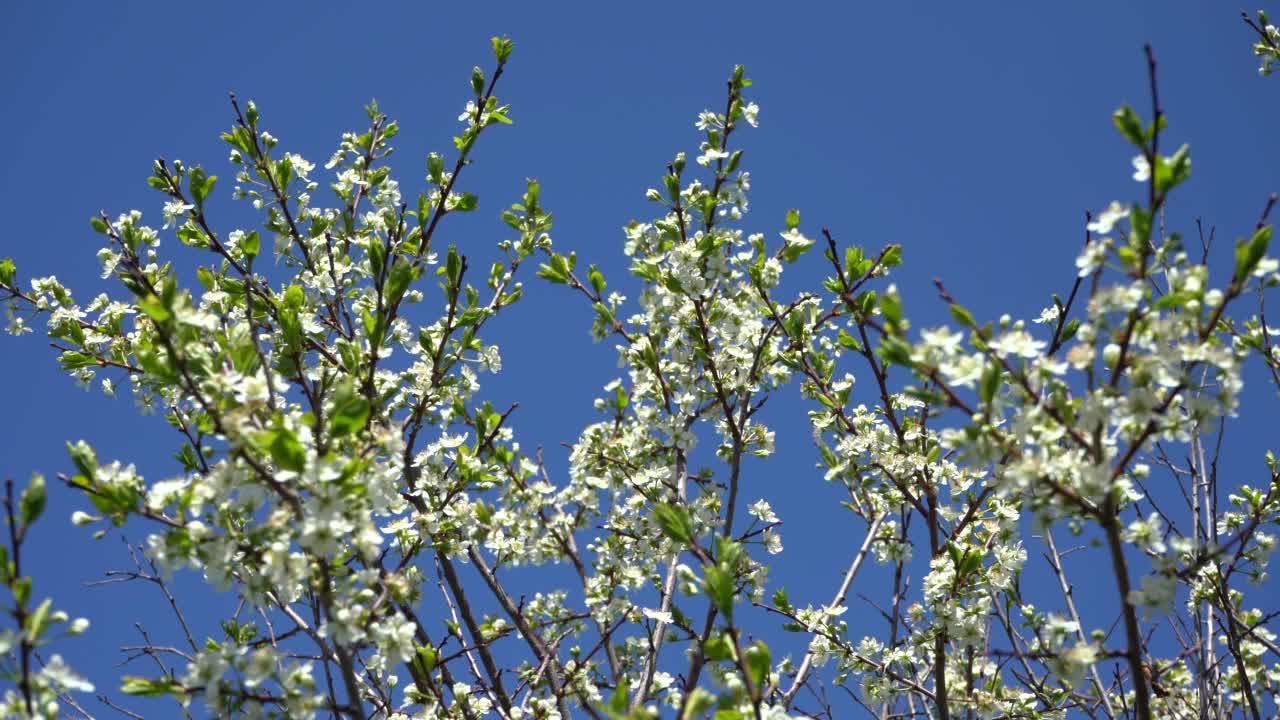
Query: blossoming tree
point(341, 480)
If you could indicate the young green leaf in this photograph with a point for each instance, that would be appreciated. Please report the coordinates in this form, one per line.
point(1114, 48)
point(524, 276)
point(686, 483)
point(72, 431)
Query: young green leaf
point(675, 522)
point(33, 500)
point(287, 451)
point(721, 586)
point(1129, 125)
point(758, 662)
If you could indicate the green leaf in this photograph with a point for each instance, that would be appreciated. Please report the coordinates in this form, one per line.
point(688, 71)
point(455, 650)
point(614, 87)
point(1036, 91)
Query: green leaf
point(892, 256)
point(287, 451)
point(237, 139)
point(954, 552)
point(191, 234)
point(990, 383)
point(464, 141)
point(675, 521)
point(21, 590)
point(152, 362)
point(728, 553)
point(294, 297)
point(435, 169)
point(895, 351)
point(758, 663)
point(735, 159)
point(1249, 254)
point(377, 256)
point(290, 316)
point(847, 341)
point(402, 274)
point(7, 272)
point(721, 586)
point(718, 648)
point(1129, 125)
point(596, 279)
point(350, 412)
point(187, 456)
point(618, 702)
point(33, 500)
point(865, 302)
point(709, 203)
point(147, 687)
point(426, 658)
point(1173, 170)
point(38, 621)
point(792, 249)
point(83, 457)
point(477, 81)
point(555, 270)
point(155, 309)
point(453, 266)
point(201, 185)
point(502, 47)
point(1069, 330)
point(205, 277)
point(284, 172)
point(466, 202)
point(71, 360)
point(698, 703)
point(1176, 300)
point(250, 244)
point(672, 184)
point(793, 219)
point(963, 316)
point(891, 308)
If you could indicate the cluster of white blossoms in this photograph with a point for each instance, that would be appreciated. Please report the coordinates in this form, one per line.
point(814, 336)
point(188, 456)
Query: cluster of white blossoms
point(39, 681)
point(376, 521)
point(1267, 48)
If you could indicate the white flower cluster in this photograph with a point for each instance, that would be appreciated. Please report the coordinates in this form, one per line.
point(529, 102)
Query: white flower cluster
point(396, 553)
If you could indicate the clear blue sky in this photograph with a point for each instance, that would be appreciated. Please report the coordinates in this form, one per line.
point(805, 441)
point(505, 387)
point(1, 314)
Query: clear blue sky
point(974, 134)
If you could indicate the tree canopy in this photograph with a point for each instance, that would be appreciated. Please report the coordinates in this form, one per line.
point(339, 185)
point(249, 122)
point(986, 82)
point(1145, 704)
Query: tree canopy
point(375, 520)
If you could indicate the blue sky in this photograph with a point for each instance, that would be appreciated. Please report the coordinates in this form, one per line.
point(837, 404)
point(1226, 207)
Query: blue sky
point(974, 134)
